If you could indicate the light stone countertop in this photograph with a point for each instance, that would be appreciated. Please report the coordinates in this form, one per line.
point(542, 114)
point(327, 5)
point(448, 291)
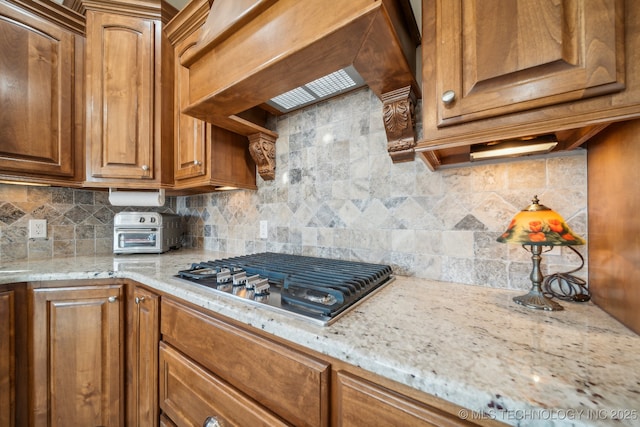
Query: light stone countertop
point(470, 345)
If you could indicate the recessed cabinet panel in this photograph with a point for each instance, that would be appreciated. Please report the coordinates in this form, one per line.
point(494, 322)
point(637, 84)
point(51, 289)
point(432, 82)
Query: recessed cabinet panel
point(7, 360)
point(142, 358)
point(288, 383)
point(359, 402)
point(36, 95)
point(76, 368)
point(190, 395)
point(495, 57)
point(191, 133)
point(121, 71)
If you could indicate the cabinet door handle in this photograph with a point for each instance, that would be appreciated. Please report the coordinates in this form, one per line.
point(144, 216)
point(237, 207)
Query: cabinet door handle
point(139, 300)
point(448, 97)
point(212, 422)
point(145, 167)
point(112, 299)
point(197, 162)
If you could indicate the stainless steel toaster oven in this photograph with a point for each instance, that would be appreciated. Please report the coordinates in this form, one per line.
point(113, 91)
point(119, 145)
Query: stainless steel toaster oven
point(146, 232)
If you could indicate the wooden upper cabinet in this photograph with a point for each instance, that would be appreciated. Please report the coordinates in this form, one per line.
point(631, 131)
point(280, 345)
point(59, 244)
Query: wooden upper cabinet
point(129, 95)
point(206, 157)
point(120, 66)
point(494, 70)
point(40, 96)
point(190, 133)
point(500, 56)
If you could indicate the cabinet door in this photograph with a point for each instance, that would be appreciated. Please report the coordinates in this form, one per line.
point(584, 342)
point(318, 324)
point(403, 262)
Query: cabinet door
point(500, 56)
point(76, 367)
point(120, 66)
point(7, 360)
point(359, 402)
point(36, 95)
point(144, 336)
point(190, 133)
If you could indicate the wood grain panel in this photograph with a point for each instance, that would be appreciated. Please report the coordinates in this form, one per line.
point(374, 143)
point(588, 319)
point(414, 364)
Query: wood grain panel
point(501, 56)
point(7, 360)
point(190, 133)
point(189, 395)
point(120, 63)
point(76, 373)
point(614, 223)
point(143, 335)
point(287, 382)
point(36, 94)
point(359, 402)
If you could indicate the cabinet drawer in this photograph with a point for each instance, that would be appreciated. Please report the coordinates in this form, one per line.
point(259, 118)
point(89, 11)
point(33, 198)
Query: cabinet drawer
point(359, 402)
point(189, 395)
point(290, 383)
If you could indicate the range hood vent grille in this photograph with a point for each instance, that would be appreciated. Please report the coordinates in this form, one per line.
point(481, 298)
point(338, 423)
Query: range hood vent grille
point(325, 87)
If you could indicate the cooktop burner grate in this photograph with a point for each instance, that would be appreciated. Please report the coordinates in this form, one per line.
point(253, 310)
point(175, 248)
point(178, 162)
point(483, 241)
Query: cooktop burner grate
point(314, 288)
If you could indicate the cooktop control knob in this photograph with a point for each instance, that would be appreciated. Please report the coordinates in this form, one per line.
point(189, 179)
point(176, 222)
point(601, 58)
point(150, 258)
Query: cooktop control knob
point(223, 276)
point(251, 281)
point(261, 287)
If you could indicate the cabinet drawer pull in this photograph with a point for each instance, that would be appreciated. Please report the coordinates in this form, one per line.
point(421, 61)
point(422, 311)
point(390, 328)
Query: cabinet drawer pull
point(139, 300)
point(112, 299)
point(212, 422)
point(448, 97)
point(145, 167)
point(197, 162)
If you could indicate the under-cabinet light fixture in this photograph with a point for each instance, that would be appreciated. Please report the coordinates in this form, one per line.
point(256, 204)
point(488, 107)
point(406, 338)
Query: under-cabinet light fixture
point(513, 148)
point(24, 183)
point(333, 84)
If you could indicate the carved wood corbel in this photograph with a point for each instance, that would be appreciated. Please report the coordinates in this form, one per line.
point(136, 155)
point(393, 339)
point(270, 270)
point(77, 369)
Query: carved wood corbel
point(262, 148)
point(398, 111)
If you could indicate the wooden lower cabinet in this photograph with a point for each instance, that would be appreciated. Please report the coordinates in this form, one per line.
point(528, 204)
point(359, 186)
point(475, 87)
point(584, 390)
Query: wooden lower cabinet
point(166, 421)
point(285, 382)
point(190, 396)
point(143, 336)
point(7, 360)
point(76, 339)
point(359, 402)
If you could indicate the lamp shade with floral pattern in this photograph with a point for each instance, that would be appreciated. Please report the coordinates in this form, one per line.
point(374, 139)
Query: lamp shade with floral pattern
point(540, 226)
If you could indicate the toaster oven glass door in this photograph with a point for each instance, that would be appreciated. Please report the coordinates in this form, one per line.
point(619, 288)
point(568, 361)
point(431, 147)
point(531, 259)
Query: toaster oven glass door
point(137, 238)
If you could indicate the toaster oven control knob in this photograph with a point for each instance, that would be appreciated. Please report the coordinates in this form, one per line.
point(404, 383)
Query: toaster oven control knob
point(142, 219)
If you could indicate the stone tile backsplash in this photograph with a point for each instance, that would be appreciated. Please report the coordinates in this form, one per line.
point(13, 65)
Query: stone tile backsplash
point(79, 222)
point(337, 194)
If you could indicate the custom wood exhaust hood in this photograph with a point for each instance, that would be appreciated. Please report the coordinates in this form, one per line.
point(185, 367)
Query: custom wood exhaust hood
point(251, 51)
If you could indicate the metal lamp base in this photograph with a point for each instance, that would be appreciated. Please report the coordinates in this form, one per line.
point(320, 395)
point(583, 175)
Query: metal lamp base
point(537, 301)
point(535, 298)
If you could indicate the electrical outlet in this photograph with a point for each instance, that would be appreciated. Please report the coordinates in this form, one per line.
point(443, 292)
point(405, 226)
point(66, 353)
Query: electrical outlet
point(37, 228)
point(264, 230)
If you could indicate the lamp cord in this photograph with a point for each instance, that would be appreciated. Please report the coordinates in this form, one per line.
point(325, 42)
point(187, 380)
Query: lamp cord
point(569, 287)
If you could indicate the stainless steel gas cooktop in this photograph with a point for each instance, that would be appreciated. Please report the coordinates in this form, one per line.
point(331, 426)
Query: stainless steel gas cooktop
point(315, 289)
